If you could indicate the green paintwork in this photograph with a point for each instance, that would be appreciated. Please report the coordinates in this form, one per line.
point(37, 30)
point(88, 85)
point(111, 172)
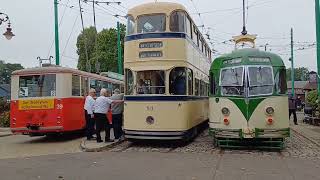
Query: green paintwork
point(247, 109)
point(275, 60)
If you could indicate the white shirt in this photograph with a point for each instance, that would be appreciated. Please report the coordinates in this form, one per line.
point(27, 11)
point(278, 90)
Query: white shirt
point(102, 104)
point(89, 104)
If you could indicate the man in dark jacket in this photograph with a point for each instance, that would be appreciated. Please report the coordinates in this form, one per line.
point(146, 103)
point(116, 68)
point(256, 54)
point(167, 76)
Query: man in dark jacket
point(293, 109)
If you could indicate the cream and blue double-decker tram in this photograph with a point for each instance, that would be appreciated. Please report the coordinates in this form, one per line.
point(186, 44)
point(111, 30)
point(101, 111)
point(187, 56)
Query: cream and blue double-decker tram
point(166, 61)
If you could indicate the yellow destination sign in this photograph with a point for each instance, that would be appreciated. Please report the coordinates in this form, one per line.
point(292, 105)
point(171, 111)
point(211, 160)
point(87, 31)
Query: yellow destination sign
point(36, 104)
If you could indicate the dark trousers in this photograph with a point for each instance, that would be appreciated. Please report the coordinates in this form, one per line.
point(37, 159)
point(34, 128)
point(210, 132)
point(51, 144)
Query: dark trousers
point(293, 111)
point(102, 123)
point(89, 125)
point(117, 125)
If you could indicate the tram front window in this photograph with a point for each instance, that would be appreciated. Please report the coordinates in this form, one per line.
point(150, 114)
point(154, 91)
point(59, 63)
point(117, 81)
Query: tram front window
point(260, 80)
point(151, 23)
point(37, 85)
point(150, 82)
point(231, 81)
point(130, 25)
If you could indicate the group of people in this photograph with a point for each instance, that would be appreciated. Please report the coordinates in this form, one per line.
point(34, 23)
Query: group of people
point(96, 110)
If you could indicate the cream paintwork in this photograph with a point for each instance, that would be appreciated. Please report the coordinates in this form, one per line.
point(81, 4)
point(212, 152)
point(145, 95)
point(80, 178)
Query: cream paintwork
point(168, 115)
point(236, 118)
point(280, 117)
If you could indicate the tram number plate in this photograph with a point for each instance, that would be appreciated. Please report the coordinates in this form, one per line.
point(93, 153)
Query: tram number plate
point(36, 104)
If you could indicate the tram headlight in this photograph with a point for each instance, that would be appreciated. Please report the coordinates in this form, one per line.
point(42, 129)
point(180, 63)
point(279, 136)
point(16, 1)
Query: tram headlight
point(269, 111)
point(225, 111)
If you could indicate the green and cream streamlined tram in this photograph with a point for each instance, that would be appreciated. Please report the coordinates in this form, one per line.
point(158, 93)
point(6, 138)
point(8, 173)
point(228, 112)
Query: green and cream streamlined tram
point(248, 101)
point(167, 62)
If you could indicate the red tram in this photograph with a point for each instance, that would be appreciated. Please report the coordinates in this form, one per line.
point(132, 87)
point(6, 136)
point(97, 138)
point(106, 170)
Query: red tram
point(49, 100)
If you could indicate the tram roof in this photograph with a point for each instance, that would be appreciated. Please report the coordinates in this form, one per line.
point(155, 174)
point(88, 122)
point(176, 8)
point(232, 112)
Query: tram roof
point(155, 7)
point(59, 69)
point(275, 60)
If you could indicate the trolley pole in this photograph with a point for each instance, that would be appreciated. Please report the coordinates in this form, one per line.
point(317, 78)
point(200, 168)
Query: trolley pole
point(317, 9)
point(119, 49)
point(292, 65)
point(56, 32)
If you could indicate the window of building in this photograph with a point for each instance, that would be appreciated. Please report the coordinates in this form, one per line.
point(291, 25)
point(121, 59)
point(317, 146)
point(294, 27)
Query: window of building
point(76, 85)
point(129, 82)
point(130, 25)
point(178, 81)
point(150, 82)
point(190, 82)
point(197, 87)
point(37, 85)
point(177, 21)
point(151, 23)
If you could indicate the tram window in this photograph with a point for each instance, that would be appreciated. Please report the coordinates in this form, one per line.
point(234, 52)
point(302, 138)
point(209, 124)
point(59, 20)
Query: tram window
point(260, 80)
point(280, 82)
point(178, 83)
point(177, 21)
point(189, 27)
point(84, 86)
point(95, 84)
point(150, 82)
point(196, 87)
point(130, 25)
point(151, 23)
point(213, 84)
point(190, 82)
point(115, 86)
point(129, 82)
point(37, 85)
point(75, 85)
point(231, 80)
point(196, 35)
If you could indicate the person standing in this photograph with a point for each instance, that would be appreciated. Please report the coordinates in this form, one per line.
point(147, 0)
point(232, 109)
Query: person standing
point(89, 113)
point(101, 109)
point(117, 114)
point(293, 109)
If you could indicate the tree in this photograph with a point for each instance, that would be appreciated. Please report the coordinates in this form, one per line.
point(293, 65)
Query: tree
point(300, 74)
point(104, 52)
point(5, 71)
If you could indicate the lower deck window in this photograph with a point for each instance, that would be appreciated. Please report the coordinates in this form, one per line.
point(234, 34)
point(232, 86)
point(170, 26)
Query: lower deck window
point(37, 85)
point(150, 82)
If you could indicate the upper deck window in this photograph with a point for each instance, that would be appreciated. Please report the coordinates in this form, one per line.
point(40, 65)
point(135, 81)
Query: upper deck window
point(151, 23)
point(37, 85)
point(130, 25)
point(177, 21)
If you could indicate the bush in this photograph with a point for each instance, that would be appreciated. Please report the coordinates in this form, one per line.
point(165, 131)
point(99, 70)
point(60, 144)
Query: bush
point(312, 100)
point(5, 119)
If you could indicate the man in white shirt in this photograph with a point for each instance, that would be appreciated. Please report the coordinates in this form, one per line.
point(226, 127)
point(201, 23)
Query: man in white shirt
point(89, 116)
point(101, 108)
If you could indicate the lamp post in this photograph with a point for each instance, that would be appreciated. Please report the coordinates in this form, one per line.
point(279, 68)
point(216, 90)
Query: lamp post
point(5, 18)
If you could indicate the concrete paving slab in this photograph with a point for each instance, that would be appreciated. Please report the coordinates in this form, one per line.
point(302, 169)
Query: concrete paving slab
point(93, 146)
point(5, 132)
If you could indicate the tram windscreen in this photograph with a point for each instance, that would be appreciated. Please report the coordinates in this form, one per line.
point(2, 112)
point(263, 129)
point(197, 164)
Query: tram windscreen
point(151, 23)
point(37, 85)
point(150, 82)
point(231, 81)
point(260, 80)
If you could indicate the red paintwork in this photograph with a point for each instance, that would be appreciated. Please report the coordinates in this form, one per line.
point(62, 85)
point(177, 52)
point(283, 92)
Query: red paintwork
point(70, 117)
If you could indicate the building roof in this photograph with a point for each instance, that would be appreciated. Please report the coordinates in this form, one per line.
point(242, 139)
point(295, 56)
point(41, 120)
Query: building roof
point(311, 86)
point(297, 84)
point(5, 90)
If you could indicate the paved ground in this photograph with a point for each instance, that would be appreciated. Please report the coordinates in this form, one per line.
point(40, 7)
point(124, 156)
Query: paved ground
point(25, 146)
point(159, 166)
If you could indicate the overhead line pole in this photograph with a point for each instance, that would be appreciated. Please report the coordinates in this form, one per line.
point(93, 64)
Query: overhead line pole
point(317, 13)
point(56, 32)
point(119, 49)
point(292, 65)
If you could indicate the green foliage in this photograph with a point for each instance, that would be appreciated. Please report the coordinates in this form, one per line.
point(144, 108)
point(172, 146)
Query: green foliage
point(4, 113)
point(5, 71)
point(300, 74)
point(104, 51)
point(312, 100)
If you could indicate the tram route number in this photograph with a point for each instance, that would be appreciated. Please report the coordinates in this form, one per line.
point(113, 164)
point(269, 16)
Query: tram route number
point(36, 104)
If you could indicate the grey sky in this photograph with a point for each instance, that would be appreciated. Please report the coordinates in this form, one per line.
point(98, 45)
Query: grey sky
point(271, 20)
